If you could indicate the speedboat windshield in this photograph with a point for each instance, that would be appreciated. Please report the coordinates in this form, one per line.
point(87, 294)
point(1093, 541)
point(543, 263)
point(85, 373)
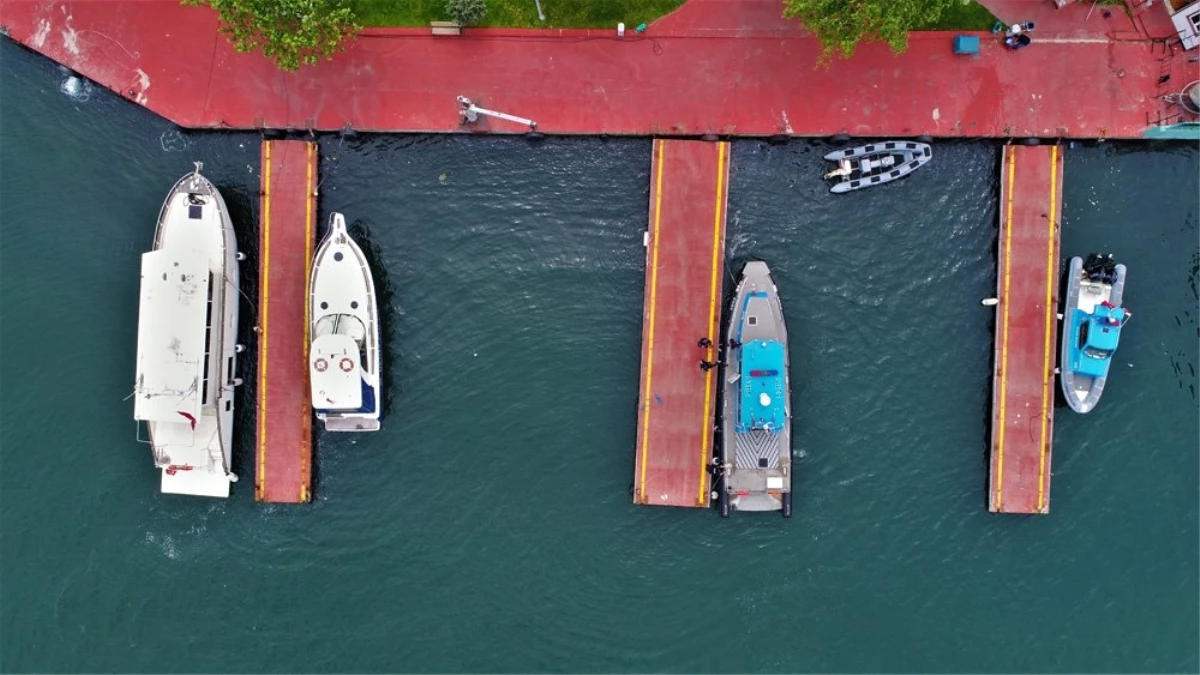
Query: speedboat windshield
point(341, 324)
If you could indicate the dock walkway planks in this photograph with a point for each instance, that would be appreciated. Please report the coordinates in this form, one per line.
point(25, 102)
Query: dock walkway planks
point(284, 447)
point(1026, 327)
point(685, 258)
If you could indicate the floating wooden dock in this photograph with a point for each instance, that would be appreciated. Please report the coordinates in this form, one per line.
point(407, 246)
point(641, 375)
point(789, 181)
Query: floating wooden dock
point(685, 258)
point(1026, 328)
point(288, 211)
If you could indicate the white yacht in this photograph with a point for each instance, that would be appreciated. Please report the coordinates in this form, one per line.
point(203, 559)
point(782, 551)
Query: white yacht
point(344, 354)
point(187, 340)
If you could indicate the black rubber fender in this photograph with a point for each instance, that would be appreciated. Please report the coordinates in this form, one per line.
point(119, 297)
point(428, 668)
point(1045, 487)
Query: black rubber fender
point(1030, 141)
point(839, 138)
point(787, 505)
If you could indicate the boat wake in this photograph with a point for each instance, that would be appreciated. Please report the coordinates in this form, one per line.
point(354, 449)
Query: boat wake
point(172, 141)
point(74, 87)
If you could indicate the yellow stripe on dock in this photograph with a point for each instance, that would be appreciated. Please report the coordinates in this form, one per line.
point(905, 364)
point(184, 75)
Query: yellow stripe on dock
point(1012, 172)
point(706, 432)
point(260, 483)
point(1048, 374)
point(310, 194)
point(660, 148)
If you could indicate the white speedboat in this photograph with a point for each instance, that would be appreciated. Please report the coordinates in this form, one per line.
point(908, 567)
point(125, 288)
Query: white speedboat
point(187, 340)
point(344, 351)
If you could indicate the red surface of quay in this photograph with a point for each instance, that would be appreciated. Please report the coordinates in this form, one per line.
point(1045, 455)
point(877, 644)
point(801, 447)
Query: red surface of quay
point(1026, 328)
point(284, 448)
point(729, 67)
point(685, 258)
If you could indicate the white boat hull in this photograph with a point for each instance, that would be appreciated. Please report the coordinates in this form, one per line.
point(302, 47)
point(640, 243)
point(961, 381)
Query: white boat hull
point(345, 357)
point(187, 341)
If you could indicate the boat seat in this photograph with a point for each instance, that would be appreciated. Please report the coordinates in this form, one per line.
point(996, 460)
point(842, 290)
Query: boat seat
point(866, 165)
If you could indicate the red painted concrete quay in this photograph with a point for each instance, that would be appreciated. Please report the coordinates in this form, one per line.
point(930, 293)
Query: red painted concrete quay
point(729, 67)
point(1026, 329)
point(287, 211)
point(1136, 20)
point(685, 258)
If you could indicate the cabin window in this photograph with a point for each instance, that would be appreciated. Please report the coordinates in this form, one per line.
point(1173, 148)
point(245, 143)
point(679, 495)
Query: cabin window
point(207, 344)
point(1091, 352)
point(855, 183)
point(894, 173)
point(889, 146)
point(228, 405)
point(229, 369)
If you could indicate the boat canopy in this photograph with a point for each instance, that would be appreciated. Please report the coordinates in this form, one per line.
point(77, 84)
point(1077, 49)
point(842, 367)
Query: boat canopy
point(762, 404)
point(172, 328)
point(1100, 333)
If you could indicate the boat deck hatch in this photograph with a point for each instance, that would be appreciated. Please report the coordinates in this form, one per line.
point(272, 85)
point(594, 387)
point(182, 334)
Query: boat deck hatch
point(195, 211)
point(752, 320)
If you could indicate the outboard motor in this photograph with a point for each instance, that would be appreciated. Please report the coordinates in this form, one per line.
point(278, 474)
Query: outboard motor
point(1110, 269)
point(1100, 267)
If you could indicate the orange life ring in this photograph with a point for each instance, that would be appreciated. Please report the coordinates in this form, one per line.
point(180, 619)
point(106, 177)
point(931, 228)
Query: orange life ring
point(321, 365)
point(346, 364)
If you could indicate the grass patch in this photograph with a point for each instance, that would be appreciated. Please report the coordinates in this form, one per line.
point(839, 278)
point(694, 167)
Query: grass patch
point(518, 13)
point(968, 15)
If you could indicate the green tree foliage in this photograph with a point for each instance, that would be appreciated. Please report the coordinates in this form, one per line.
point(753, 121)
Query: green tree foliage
point(290, 32)
point(841, 24)
point(467, 12)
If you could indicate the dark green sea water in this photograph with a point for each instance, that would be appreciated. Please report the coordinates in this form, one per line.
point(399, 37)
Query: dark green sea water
point(489, 527)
